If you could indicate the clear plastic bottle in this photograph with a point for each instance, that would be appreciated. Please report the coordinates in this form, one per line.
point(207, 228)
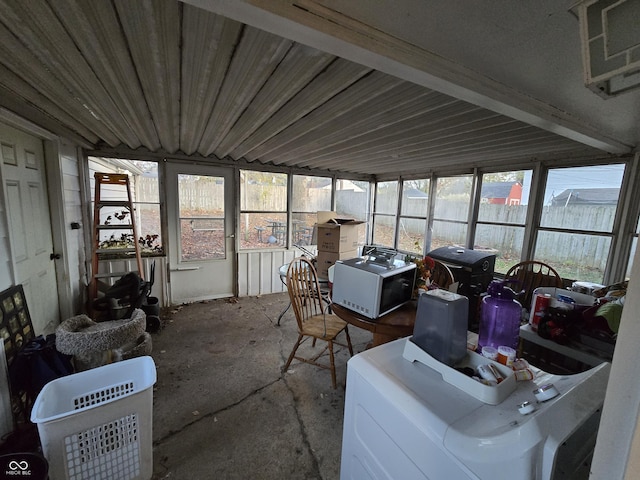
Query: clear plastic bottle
point(499, 317)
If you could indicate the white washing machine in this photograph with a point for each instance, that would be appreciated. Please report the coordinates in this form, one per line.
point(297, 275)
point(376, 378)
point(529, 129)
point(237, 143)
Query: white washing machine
point(403, 421)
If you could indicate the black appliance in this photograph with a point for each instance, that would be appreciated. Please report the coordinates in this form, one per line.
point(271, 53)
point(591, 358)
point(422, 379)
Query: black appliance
point(473, 270)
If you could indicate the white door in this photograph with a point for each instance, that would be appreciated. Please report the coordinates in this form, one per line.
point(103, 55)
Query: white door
point(27, 209)
point(201, 239)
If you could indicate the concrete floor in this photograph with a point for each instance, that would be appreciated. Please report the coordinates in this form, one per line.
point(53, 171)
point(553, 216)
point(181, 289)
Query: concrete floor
point(222, 407)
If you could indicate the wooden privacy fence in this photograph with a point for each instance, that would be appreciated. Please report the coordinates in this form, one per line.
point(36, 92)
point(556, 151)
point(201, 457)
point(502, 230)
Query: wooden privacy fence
point(270, 198)
point(551, 246)
point(507, 240)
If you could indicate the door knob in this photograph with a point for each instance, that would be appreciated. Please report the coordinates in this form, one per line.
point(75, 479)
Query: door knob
point(55, 256)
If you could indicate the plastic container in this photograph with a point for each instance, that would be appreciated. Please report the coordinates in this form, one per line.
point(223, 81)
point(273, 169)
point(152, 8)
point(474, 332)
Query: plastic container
point(491, 394)
point(506, 355)
point(97, 424)
point(499, 318)
point(441, 325)
point(490, 352)
point(581, 300)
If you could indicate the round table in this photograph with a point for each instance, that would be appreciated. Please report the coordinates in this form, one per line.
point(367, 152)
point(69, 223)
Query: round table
point(396, 324)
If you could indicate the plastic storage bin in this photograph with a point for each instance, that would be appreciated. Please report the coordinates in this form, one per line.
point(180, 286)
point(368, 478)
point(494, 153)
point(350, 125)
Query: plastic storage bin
point(491, 394)
point(97, 424)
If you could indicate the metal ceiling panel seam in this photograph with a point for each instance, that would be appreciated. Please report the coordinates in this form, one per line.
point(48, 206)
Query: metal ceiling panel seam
point(23, 96)
point(36, 82)
point(373, 85)
point(338, 76)
point(397, 115)
point(47, 39)
point(208, 43)
point(153, 34)
point(400, 144)
point(94, 28)
point(256, 57)
point(396, 141)
point(300, 65)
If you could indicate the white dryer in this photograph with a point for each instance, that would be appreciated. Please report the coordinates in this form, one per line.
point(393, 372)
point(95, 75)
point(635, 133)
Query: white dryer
point(403, 421)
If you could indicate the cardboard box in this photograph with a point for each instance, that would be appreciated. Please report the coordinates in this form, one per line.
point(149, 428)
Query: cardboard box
point(326, 259)
point(321, 217)
point(338, 235)
point(324, 217)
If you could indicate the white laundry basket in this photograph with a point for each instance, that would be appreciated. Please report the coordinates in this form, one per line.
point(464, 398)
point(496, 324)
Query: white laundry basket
point(97, 424)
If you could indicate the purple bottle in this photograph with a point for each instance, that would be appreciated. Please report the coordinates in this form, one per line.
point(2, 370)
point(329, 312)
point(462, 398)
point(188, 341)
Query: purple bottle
point(500, 316)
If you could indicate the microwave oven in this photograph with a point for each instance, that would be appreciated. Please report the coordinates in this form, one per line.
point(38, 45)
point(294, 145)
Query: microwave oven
point(372, 289)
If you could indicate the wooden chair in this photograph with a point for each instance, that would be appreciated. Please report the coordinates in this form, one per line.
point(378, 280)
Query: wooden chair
point(526, 276)
point(314, 320)
point(441, 275)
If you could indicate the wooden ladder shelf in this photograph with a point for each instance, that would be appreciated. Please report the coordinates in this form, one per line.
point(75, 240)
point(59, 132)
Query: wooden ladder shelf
point(123, 225)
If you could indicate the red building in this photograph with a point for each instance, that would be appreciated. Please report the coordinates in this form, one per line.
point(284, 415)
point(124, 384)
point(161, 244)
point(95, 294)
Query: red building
point(501, 193)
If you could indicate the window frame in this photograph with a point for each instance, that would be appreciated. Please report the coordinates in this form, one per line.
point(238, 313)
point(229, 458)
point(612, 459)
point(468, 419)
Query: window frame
point(293, 212)
point(626, 224)
point(279, 213)
point(401, 215)
point(610, 272)
point(624, 233)
point(480, 179)
point(469, 222)
point(377, 214)
point(155, 246)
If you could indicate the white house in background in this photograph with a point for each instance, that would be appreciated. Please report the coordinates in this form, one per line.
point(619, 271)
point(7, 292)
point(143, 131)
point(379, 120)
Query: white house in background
point(586, 196)
point(343, 184)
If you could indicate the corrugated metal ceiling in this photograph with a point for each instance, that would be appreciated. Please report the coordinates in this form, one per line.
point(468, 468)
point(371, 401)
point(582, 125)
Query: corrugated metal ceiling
point(167, 77)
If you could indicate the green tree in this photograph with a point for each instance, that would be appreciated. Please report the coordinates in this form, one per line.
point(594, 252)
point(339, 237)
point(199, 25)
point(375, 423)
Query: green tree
point(504, 177)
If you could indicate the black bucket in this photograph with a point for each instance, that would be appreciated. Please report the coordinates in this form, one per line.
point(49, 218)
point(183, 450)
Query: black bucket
point(151, 306)
point(153, 324)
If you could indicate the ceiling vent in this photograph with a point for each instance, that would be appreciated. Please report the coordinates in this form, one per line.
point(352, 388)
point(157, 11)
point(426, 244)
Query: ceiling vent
point(610, 34)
